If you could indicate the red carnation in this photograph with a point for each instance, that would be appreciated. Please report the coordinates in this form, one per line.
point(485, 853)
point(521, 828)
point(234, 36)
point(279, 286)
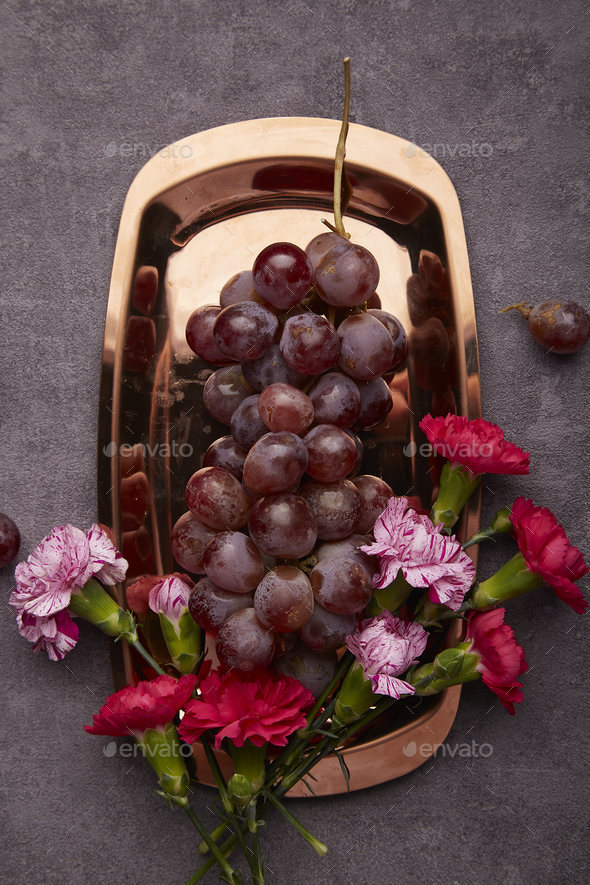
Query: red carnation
point(502, 659)
point(259, 707)
point(477, 445)
point(136, 708)
point(548, 552)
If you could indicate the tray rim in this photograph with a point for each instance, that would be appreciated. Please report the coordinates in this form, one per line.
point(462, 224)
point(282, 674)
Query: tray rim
point(212, 149)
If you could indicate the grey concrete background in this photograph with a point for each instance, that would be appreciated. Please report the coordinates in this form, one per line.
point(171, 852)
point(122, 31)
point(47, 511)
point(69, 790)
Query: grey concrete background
point(84, 79)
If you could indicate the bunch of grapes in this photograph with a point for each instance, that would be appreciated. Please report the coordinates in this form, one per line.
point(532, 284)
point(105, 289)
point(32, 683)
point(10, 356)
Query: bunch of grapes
point(279, 508)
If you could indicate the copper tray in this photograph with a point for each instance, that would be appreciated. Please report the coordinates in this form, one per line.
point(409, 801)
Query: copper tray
point(197, 213)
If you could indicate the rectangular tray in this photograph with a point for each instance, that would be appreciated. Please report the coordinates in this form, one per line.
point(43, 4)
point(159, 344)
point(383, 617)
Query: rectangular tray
point(197, 213)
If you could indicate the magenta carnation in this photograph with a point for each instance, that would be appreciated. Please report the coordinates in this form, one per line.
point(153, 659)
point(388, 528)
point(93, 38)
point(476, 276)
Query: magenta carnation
point(260, 707)
point(502, 659)
point(477, 445)
point(385, 647)
point(134, 709)
point(408, 541)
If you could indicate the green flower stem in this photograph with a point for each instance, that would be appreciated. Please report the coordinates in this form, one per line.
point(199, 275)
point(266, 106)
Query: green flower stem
point(147, 657)
point(217, 854)
point(478, 537)
point(257, 865)
point(217, 774)
point(226, 849)
point(388, 598)
point(311, 840)
point(216, 835)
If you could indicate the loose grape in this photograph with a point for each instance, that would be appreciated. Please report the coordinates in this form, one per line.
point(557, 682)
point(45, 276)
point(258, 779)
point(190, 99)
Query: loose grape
point(233, 562)
point(270, 368)
point(283, 526)
point(224, 391)
point(211, 606)
point(244, 331)
point(243, 643)
point(314, 669)
point(374, 495)
point(317, 248)
point(326, 631)
point(9, 540)
point(218, 499)
point(283, 407)
point(335, 505)
point(284, 599)
point(282, 275)
point(376, 401)
point(558, 326)
point(224, 452)
point(341, 585)
point(347, 275)
point(275, 463)
point(239, 288)
point(335, 399)
point(332, 453)
point(397, 332)
point(366, 347)
point(188, 542)
point(309, 344)
point(199, 335)
point(246, 424)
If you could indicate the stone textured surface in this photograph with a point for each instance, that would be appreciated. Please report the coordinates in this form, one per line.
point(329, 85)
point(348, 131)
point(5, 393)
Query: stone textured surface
point(497, 92)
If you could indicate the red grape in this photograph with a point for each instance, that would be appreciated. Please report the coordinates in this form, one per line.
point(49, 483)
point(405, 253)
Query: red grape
point(199, 334)
point(335, 505)
point(326, 630)
point(224, 452)
point(374, 494)
point(348, 548)
point(335, 399)
point(317, 248)
point(360, 450)
point(211, 606)
point(243, 643)
point(188, 542)
point(284, 599)
point(9, 540)
point(283, 526)
point(244, 331)
point(282, 275)
point(224, 391)
point(309, 343)
point(397, 332)
point(314, 669)
point(246, 424)
point(347, 275)
point(275, 463)
point(332, 453)
point(218, 499)
point(366, 347)
point(270, 368)
point(283, 407)
point(239, 288)
point(341, 585)
point(376, 401)
point(233, 562)
point(558, 326)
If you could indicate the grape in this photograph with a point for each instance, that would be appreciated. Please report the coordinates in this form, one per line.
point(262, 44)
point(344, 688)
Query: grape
point(335, 399)
point(366, 347)
point(275, 463)
point(233, 562)
point(9, 540)
point(326, 630)
point(374, 301)
point(188, 542)
point(335, 505)
point(317, 248)
point(397, 332)
point(285, 642)
point(314, 669)
point(283, 407)
point(282, 275)
point(239, 288)
point(211, 606)
point(199, 334)
point(246, 424)
point(243, 643)
point(218, 499)
point(332, 453)
point(309, 343)
point(224, 391)
point(558, 326)
point(341, 585)
point(348, 548)
point(374, 494)
point(224, 452)
point(270, 368)
point(244, 331)
point(283, 526)
point(360, 451)
point(347, 275)
point(284, 599)
point(376, 401)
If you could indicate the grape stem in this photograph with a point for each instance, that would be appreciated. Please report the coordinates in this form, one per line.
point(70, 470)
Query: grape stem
point(338, 226)
point(523, 307)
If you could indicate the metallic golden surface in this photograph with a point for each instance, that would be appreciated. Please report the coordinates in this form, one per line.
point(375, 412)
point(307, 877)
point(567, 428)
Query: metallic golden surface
point(199, 212)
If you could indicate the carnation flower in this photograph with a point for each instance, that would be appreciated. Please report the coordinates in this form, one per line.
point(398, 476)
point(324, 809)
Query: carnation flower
point(148, 705)
point(109, 566)
point(138, 593)
point(385, 647)
point(408, 541)
point(502, 659)
point(56, 634)
point(477, 445)
point(259, 707)
point(169, 599)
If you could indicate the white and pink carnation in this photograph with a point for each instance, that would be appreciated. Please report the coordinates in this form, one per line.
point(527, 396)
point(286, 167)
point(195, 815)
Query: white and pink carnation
point(170, 597)
point(385, 647)
point(109, 566)
point(56, 635)
point(409, 542)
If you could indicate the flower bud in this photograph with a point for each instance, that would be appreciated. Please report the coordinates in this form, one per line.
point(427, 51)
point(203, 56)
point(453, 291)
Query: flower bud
point(169, 600)
point(453, 666)
point(94, 604)
point(239, 789)
point(501, 522)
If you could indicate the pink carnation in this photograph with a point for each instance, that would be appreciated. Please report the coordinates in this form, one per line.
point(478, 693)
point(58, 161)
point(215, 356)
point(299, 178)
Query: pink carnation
point(108, 564)
point(477, 445)
point(57, 634)
point(170, 596)
point(259, 707)
point(408, 541)
point(502, 659)
point(385, 647)
point(136, 708)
